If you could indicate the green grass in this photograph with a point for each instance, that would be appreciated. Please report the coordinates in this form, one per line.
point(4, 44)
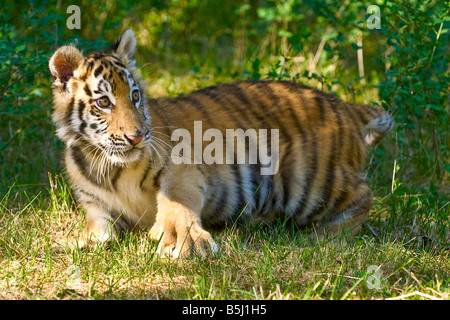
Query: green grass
point(260, 262)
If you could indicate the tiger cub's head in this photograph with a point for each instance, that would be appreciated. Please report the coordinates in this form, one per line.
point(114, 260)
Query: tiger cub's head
point(99, 101)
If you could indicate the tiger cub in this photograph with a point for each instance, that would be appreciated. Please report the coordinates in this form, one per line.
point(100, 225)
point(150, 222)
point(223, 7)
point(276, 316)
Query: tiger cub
point(187, 164)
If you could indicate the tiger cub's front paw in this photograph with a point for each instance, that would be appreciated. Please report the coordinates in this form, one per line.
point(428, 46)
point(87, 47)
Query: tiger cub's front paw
point(183, 240)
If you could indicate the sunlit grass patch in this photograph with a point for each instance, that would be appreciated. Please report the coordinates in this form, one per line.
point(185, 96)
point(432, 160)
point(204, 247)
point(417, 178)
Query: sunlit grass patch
point(255, 262)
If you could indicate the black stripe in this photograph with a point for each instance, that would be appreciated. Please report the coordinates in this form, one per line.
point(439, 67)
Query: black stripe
point(120, 64)
point(267, 188)
point(83, 166)
point(328, 185)
point(221, 202)
point(267, 90)
point(121, 224)
point(217, 202)
point(355, 134)
point(116, 59)
point(347, 181)
point(234, 97)
point(81, 107)
point(240, 191)
point(88, 71)
point(156, 109)
point(240, 94)
point(145, 175)
point(98, 71)
point(69, 111)
point(302, 200)
point(115, 177)
point(257, 185)
point(122, 75)
point(297, 93)
point(83, 126)
point(112, 82)
point(199, 168)
point(320, 104)
point(312, 174)
point(374, 112)
point(359, 114)
point(192, 101)
point(255, 105)
point(108, 76)
point(363, 121)
point(334, 156)
point(354, 156)
point(87, 90)
point(214, 93)
point(355, 203)
point(286, 174)
point(94, 199)
point(98, 55)
point(157, 176)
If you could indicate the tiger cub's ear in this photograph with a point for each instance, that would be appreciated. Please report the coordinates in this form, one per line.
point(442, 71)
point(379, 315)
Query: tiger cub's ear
point(126, 45)
point(62, 64)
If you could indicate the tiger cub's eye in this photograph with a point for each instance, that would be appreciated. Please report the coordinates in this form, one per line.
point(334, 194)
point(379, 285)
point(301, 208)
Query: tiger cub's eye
point(135, 95)
point(103, 102)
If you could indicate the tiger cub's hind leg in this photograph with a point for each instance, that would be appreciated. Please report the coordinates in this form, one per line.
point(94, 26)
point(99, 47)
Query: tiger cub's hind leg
point(350, 212)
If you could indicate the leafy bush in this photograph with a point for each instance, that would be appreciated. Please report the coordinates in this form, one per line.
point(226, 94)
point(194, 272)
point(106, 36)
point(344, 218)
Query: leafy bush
point(415, 85)
point(29, 35)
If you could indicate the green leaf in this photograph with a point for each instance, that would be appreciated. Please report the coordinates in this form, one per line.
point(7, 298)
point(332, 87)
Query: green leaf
point(284, 33)
point(434, 107)
point(355, 46)
point(20, 48)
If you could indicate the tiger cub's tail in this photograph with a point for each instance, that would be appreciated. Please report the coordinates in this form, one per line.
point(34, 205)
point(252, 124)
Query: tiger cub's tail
point(378, 126)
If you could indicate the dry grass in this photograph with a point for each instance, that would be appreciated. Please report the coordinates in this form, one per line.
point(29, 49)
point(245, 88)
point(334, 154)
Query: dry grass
point(262, 262)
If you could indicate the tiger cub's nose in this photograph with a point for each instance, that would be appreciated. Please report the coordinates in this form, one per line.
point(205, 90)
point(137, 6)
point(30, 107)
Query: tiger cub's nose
point(135, 139)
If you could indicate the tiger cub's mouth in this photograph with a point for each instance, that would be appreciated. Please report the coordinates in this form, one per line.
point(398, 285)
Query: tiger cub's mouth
point(123, 157)
point(122, 153)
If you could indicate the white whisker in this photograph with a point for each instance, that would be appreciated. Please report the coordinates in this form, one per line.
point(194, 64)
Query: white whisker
point(157, 153)
point(161, 147)
point(95, 159)
point(163, 127)
point(162, 141)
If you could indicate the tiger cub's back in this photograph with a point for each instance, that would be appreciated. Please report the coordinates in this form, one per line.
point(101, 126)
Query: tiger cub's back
point(321, 148)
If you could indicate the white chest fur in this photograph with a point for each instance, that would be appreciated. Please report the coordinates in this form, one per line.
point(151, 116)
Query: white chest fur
point(137, 204)
point(120, 194)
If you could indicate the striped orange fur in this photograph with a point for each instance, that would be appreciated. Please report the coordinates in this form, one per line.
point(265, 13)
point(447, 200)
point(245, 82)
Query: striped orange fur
point(120, 162)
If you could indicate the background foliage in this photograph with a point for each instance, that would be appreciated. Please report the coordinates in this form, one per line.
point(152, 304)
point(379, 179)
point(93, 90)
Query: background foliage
point(184, 45)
